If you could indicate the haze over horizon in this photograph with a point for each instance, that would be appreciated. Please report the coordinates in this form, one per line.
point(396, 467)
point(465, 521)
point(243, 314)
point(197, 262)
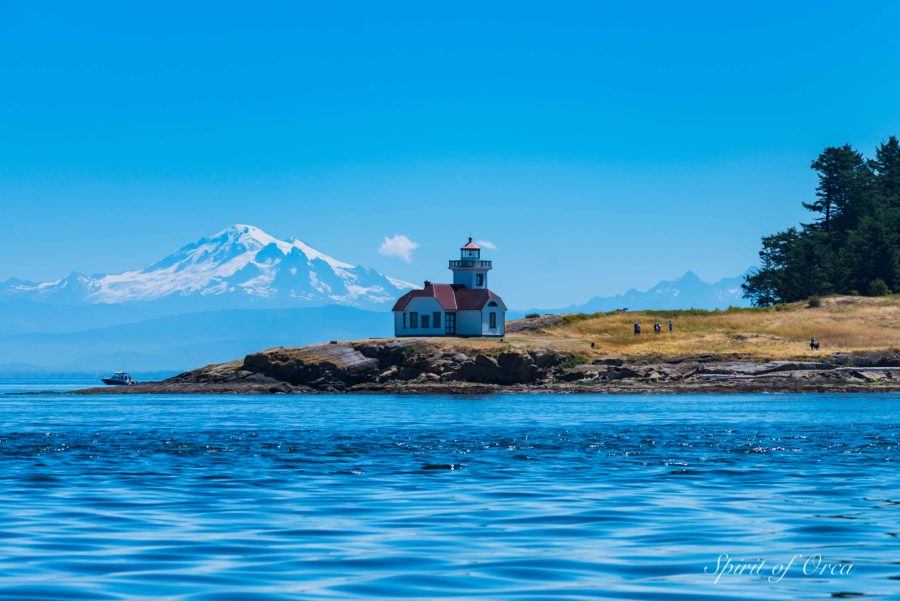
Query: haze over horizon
point(595, 157)
point(243, 266)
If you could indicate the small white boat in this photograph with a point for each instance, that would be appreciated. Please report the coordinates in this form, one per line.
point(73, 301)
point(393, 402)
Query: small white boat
point(120, 378)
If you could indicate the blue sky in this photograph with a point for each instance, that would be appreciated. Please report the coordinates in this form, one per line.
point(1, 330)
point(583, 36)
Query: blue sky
point(599, 147)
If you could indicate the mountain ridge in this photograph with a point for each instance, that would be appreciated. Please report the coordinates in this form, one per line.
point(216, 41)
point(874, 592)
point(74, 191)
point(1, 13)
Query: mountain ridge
point(163, 336)
point(240, 266)
point(238, 291)
point(685, 292)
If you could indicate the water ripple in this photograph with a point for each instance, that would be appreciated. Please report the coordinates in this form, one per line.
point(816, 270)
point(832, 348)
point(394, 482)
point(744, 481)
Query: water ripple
point(535, 497)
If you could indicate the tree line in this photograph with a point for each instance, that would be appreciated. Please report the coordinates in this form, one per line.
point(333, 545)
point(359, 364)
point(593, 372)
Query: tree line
point(852, 245)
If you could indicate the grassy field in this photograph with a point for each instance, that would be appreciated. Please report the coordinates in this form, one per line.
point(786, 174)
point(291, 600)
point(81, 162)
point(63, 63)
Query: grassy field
point(846, 323)
point(841, 324)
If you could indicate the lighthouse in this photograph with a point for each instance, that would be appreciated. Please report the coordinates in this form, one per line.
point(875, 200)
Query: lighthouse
point(470, 270)
point(467, 307)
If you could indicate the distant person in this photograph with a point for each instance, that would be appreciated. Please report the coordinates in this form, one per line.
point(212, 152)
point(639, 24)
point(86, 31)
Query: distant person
point(813, 344)
point(637, 329)
point(657, 328)
point(670, 326)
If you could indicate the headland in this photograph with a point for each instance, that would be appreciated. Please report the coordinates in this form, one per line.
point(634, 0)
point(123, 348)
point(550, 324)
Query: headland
point(733, 351)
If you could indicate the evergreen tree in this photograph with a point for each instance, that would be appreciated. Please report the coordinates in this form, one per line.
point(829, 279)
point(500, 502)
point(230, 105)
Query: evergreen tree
point(841, 172)
point(768, 285)
point(887, 169)
point(853, 245)
point(870, 255)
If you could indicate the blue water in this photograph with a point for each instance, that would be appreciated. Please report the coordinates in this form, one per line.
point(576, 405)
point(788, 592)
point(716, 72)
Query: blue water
point(12, 385)
point(507, 497)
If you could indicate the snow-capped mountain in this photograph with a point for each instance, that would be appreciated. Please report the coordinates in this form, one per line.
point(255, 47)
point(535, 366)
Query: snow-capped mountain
point(240, 266)
point(687, 292)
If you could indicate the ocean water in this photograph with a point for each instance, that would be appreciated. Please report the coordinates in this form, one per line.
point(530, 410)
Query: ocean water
point(505, 497)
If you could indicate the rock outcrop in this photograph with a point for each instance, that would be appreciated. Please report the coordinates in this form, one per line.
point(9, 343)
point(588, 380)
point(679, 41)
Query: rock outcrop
point(439, 366)
point(332, 367)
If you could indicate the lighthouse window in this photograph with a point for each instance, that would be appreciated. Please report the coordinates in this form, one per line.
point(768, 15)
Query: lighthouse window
point(479, 279)
point(426, 324)
point(436, 319)
point(413, 320)
point(493, 320)
point(404, 321)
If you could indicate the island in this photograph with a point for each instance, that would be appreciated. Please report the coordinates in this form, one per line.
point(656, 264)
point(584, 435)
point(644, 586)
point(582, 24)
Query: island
point(735, 350)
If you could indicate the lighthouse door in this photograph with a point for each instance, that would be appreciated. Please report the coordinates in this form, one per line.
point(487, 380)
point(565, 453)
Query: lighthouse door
point(450, 324)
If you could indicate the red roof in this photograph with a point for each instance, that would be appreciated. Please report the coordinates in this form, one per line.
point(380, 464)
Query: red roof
point(470, 245)
point(450, 297)
point(473, 298)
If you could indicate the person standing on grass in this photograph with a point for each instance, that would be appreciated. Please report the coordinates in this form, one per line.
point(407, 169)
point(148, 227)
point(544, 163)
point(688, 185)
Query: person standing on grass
point(637, 329)
point(670, 326)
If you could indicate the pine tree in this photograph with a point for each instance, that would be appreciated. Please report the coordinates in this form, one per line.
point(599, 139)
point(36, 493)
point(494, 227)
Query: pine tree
point(854, 243)
point(887, 169)
point(767, 285)
point(840, 169)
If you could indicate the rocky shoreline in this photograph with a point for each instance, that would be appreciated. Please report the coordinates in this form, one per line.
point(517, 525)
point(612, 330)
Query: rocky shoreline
point(430, 366)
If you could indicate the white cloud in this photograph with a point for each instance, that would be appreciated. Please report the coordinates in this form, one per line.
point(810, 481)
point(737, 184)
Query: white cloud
point(486, 244)
point(398, 246)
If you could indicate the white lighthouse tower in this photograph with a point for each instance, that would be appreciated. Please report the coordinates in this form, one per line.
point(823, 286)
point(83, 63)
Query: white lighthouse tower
point(470, 270)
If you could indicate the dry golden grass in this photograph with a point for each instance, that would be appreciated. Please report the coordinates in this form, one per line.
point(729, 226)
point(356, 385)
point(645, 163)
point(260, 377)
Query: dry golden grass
point(841, 324)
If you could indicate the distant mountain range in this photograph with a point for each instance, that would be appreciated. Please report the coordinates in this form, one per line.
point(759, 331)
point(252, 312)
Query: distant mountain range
point(239, 267)
point(687, 292)
point(218, 298)
point(233, 293)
